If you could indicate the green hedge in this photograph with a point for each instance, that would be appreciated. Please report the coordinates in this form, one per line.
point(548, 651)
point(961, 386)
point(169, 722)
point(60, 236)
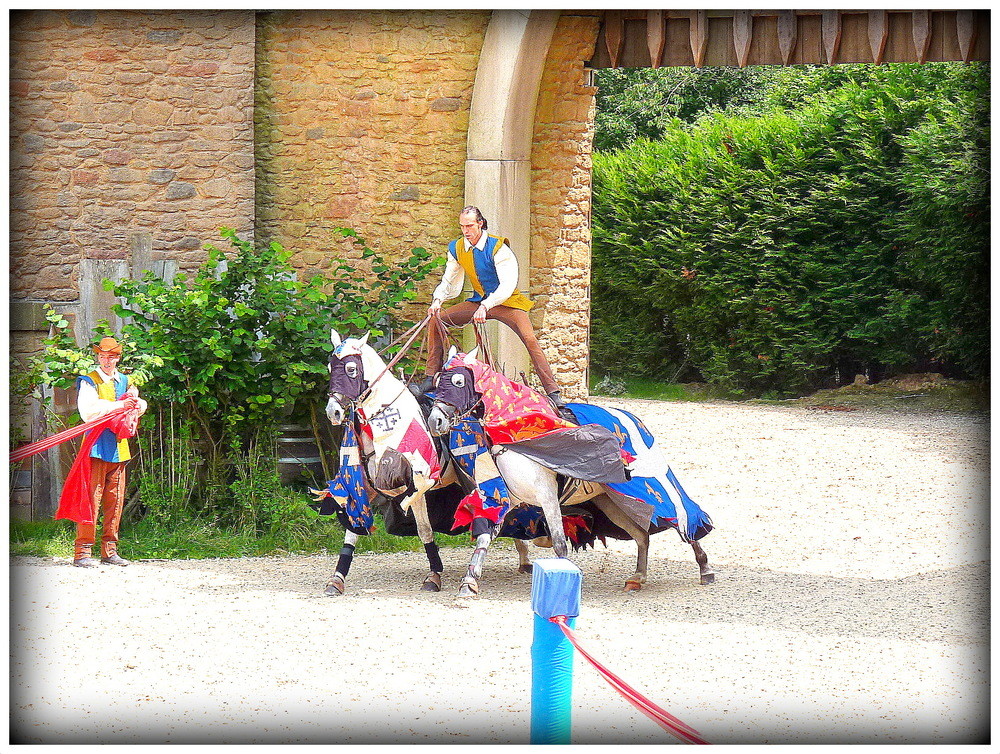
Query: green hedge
point(760, 252)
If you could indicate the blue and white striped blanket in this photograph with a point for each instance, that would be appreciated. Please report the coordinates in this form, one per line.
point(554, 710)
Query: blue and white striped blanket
point(653, 481)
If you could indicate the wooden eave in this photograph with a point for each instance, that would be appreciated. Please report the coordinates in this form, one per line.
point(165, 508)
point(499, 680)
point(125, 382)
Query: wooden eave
point(655, 38)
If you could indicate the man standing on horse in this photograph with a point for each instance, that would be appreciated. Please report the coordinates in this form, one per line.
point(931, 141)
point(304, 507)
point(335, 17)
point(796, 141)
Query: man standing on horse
point(492, 269)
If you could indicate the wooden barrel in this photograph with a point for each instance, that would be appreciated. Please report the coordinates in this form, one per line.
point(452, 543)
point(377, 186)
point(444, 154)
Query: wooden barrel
point(298, 457)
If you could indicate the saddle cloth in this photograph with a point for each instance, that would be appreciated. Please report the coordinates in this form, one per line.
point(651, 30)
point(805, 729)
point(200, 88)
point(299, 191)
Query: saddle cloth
point(652, 480)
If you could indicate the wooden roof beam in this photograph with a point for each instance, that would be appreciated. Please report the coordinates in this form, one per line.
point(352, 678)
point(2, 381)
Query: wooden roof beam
point(742, 36)
point(878, 34)
point(832, 29)
point(965, 23)
point(656, 35)
point(699, 36)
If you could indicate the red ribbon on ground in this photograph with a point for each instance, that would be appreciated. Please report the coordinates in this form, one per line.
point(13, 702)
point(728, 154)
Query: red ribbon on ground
point(660, 716)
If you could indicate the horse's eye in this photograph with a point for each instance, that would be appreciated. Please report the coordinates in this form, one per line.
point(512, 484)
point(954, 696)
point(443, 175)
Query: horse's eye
point(352, 370)
point(458, 380)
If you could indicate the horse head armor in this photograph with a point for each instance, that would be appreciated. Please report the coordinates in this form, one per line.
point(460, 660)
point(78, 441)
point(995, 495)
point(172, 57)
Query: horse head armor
point(454, 391)
point(347, 375)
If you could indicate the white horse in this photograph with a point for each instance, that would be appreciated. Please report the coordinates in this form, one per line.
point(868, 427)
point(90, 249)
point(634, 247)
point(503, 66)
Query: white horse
point(395, 447)
point(531, 482)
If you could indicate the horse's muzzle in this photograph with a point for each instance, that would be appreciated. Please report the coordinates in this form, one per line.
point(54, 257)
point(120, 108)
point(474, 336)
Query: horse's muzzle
point(336, 408)
point(440, 418)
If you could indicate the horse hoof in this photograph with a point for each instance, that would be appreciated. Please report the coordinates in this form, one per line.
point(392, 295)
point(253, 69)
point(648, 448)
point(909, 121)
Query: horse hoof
point(632, 586)
point(468, 590)
point(526, 568)
point(335, 587)
point(708, 578)
point(432, 583)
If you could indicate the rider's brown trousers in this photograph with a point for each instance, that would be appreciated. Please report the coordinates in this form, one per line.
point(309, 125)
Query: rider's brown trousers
point(107, 488)
point(516, 319)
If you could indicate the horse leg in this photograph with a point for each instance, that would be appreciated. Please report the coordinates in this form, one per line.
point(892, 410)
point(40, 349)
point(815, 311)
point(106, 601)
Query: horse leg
point(482, 530)
point(523, 564)
point(707, 574)
point(619, 518)
point(536, 485)
point(553, 517)
point(337, 583)
point(432, 583)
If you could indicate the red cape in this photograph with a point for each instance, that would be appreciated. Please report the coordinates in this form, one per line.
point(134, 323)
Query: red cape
point(75, 502)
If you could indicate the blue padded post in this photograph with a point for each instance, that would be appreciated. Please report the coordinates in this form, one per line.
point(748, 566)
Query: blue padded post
point(555, 590)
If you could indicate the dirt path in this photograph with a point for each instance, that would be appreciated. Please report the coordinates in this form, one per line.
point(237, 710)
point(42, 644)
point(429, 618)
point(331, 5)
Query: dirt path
point(851, 606)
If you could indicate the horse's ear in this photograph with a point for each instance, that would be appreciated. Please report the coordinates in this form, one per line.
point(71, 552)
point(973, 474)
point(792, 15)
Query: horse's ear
point(335, 338)
point(472, 354)
point(364, 340)
point(451, 354)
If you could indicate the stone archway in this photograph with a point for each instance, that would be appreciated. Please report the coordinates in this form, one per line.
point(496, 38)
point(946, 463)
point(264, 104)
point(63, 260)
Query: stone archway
point(501, 120)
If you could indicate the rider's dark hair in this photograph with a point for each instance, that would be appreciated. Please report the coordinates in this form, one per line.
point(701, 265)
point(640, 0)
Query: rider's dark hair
point(470, 210)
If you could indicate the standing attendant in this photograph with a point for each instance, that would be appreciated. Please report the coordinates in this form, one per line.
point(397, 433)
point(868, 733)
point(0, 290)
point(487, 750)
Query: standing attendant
point(100, 392)
point(492, 269)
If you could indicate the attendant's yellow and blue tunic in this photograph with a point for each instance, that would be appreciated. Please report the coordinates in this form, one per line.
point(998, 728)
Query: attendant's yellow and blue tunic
point(477, 262)
point(108, 447)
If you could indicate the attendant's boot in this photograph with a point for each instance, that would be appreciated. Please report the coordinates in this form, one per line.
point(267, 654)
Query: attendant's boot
point(82, 559)
point(113, 558)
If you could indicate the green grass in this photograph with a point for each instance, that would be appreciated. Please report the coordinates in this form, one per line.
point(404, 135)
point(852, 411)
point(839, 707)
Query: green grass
point(655, 390)
point(949, 396)
point(889, 395)
point(187, 538)
point(47, 539)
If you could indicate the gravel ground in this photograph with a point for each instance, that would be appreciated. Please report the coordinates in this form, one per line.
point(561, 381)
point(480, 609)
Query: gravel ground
point(851, 606)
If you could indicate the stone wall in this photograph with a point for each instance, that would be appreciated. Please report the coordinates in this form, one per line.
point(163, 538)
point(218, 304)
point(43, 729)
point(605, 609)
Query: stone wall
point(125, 125)
point(132, 142)
point(560, 202)
point(361, 123)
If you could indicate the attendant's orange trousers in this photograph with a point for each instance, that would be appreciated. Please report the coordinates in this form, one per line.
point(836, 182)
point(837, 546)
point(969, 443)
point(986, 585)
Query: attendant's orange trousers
point(107, 496)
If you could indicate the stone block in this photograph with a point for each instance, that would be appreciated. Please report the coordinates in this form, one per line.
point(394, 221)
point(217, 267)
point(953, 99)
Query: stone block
point(104, 55)
point(217, 187)
point(164, 36)
point(408, 193)
point(187, 243)
point(201, 69)
point(116, 156)
point(32, 143)
point(180, 190)
point(161, 176)
point(151, 113)
point(446, 104)
point(84, 177)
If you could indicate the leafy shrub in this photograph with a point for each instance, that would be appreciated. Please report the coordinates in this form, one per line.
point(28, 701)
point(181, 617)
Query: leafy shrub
point(244, 342)
point(610, 386)
point(764, 250)
point(223, 358)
